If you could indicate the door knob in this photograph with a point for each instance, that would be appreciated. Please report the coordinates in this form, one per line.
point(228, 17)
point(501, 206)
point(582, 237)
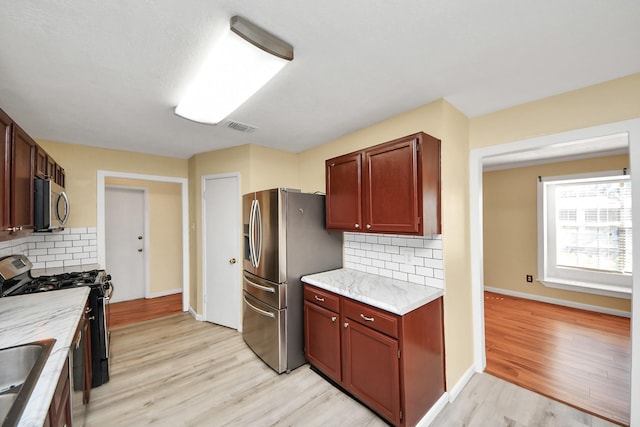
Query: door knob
point(140, 250)
point(232, 261)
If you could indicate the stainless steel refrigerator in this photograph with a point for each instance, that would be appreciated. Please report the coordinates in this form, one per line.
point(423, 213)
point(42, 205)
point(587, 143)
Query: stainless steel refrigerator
point(284, 239)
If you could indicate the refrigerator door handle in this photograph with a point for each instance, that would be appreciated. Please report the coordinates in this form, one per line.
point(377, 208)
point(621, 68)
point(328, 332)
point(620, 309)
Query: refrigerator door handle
point(257, 310)
point(252, 231)
point(258, 226)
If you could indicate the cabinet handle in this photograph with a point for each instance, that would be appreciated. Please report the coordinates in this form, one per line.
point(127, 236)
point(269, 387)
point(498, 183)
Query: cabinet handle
point(318, 298)
point(368, 226)
point(333, 318)
point(368, 319)
point(357, 226)
point(346, 324)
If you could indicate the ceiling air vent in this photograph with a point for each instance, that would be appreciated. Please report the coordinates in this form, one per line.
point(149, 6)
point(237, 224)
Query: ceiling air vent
point(241, 127)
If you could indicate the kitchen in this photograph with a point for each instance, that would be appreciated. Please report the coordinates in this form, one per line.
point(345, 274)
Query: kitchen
point(262, 167)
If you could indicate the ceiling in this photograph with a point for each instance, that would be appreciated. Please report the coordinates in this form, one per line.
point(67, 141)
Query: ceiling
point(109, 73)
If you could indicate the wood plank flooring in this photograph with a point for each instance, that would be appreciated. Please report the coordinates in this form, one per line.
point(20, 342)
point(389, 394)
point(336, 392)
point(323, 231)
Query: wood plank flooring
point(578, 357)
point(138, 310)
point(175, 371)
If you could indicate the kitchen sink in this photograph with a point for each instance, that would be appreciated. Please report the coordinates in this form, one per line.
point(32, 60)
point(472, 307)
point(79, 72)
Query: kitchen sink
point(20, 368)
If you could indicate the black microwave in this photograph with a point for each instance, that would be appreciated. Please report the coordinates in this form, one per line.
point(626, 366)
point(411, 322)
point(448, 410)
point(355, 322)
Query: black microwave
point(51, 205)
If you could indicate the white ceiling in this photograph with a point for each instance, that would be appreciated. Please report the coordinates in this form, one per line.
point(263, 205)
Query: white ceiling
point(109, 73)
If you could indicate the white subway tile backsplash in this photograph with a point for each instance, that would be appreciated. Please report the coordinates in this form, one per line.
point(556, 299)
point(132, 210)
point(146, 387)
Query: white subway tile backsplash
point(68, 247)
point(414, 259)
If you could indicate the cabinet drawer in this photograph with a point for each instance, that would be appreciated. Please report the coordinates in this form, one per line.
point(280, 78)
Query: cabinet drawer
point(372, 317)
point(322, 298)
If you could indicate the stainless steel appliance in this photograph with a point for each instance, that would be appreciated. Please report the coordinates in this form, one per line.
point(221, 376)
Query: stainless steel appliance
point(16, 279)
point(51, 205)
point(284, 239)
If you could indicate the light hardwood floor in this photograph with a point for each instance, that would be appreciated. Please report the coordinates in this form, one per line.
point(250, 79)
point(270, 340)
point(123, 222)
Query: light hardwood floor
point(579, 357)
point(175, 371)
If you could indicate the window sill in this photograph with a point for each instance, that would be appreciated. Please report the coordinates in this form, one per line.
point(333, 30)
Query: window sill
point(589, 288)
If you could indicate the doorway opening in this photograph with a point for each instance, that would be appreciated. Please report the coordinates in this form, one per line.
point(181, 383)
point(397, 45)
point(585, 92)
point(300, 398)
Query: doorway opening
point(179, 225)
point(483, 156)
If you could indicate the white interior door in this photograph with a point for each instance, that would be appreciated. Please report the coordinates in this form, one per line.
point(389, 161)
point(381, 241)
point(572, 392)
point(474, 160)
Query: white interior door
point(124, 242)
point(221, 220)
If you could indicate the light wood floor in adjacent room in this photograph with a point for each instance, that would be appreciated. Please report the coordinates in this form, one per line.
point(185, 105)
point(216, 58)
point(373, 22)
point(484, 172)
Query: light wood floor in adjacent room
point(578, 357)
point(175, 371)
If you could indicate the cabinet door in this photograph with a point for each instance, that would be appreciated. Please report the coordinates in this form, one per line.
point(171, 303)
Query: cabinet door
point(22, 167)
point(344, 194)
point(5, 168)
point(371, 369)
point(42, 162)
point(322, 339)
point(391, 187)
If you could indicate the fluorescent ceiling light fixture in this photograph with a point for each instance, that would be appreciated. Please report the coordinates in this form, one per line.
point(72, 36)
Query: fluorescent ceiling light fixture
point(243, 60)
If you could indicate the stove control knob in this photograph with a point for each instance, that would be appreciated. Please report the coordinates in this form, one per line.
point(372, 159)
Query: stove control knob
point(107, 277)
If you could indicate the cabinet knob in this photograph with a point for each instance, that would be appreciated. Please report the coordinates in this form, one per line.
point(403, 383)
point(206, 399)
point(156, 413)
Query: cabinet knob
point(333, 318)
point(357, 226)
point(368, 226)
point(346, 324)
point(232, 261)
point(318, 298)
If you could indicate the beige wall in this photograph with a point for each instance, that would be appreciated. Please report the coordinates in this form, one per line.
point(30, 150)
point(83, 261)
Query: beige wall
point(607, 102)
point(442, 120)
point(510, 228)
point(259, 168)
point(81, 164)
point(165, 232)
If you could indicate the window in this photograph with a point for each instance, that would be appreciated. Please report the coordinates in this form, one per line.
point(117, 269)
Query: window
point(585, 233)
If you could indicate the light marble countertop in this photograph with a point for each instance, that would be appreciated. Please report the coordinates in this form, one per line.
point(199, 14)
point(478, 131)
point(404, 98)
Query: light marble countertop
point(28, 318)
point(395, 296)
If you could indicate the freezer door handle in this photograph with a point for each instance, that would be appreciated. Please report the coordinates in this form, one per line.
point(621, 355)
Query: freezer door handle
point(262, 288)
point(257, 310)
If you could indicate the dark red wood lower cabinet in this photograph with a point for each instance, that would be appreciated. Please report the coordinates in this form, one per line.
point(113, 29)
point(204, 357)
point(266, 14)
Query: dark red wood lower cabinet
point(393, 364)
point(322, 339)
point(371, 369)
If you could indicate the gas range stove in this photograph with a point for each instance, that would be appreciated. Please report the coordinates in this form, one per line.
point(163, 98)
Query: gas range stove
point(16, 279)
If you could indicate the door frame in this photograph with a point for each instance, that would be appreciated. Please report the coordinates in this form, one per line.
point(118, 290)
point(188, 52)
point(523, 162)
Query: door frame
point(100, 229)
point(145, 246)
point(203, 237)
point(476, 158)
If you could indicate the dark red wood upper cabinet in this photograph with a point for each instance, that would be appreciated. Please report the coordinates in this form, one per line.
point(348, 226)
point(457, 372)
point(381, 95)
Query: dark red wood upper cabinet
point(391, 195)
point(344, 192)
point(5, 178)
point(396, 191)
point(42, 163)
point(23, 150)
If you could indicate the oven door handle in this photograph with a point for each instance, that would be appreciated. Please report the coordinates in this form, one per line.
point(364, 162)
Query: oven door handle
point(258, 310)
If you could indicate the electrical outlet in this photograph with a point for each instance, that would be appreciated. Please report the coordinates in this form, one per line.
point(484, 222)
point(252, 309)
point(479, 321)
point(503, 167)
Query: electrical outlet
point(529, 278)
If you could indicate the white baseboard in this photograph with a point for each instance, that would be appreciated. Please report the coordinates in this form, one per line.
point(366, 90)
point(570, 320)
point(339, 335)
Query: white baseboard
point(434, 411)
point(447, 397)
point(195, 315)
point(164, 293)
point(462, 382)
point(562, 302)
